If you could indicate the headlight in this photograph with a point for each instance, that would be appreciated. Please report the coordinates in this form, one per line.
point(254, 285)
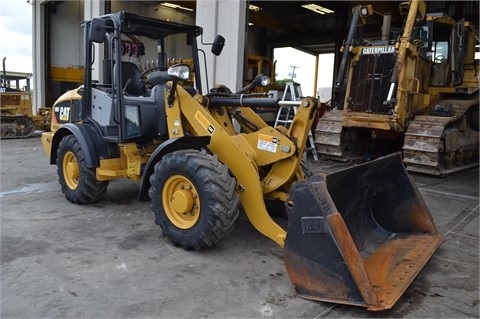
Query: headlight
point(366, 11)
point(179, 71)
point(262, 80)
point(265, 80)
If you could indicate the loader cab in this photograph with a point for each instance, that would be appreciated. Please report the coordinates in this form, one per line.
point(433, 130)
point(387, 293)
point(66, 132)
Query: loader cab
point(123, 104)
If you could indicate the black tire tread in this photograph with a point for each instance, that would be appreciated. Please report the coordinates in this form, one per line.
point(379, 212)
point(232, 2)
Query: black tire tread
point(89, 189)
point(219, 211)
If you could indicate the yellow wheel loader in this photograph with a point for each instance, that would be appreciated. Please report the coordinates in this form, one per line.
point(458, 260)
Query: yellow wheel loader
point(197, 168)
point(415, 91)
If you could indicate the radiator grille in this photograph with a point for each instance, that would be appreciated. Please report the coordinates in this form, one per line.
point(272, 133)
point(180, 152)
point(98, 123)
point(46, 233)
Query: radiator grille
point(370, 83)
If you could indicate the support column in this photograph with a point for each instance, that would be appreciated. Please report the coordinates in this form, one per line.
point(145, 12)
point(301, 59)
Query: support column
point(39, 54)
point(228, 18)
point(92, 9)
point(315, 80)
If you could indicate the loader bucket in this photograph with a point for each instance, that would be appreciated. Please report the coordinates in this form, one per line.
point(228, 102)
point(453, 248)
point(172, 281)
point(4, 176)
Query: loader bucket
point(358, 236)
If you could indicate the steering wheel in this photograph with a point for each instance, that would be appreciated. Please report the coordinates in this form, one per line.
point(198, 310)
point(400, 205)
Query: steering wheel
point(143, 75)
point(440, 58)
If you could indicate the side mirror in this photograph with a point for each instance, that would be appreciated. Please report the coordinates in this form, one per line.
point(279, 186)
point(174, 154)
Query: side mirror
point(218, 45)
point(97, 30)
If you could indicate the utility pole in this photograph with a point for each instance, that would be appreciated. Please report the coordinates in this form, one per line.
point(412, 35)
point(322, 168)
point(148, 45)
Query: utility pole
point(292, 74)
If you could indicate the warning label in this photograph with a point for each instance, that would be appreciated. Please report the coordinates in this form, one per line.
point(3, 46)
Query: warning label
point(204, 122)
point(267, 143)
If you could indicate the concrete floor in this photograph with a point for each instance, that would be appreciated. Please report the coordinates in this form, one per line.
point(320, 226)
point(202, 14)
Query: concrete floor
point(109, 259)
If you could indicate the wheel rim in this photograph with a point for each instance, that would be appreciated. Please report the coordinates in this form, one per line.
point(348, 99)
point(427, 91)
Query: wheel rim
point(71, 170)
point(180, 201)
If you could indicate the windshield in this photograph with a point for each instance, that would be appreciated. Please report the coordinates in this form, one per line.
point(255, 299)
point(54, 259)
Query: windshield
point(143, 44)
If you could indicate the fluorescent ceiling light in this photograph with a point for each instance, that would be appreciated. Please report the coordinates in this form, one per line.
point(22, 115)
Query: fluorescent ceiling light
point(174, 6)
point(254, 8)
point(316, 8)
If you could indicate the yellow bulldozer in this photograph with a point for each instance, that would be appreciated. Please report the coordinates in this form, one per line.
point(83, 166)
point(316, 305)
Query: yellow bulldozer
point(17, 118)
point(199, 170)
point(415, 91)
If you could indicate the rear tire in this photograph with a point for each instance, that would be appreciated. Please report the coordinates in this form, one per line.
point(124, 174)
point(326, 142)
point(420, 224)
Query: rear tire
point(193, 198)
point(78, 182)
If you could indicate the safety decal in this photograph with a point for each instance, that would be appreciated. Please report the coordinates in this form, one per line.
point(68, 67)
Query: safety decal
point(267, 143)
point(204, 122)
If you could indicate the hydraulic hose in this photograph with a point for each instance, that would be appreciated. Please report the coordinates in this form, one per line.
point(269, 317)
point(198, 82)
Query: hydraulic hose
point(351, 33)
point(242, 100)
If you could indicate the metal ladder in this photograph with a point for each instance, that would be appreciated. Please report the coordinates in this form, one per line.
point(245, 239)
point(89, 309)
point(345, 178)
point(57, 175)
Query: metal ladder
point(286, 113)
point(290, 86)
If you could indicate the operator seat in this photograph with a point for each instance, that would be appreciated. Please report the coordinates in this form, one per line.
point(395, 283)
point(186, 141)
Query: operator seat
point(131, 80)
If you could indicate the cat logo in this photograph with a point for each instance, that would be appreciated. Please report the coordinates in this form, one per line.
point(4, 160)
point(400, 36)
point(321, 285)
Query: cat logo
point(379, 50)
point(64, 113)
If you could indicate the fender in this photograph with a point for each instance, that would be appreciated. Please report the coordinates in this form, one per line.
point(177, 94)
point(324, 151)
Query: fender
point(90, 140)
point(169, 146)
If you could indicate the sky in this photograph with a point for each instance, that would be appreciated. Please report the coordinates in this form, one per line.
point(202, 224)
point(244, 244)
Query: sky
point(304, 63)
point(16, 35)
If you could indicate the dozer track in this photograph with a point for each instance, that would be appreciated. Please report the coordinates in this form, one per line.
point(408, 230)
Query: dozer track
point(16, 126)
point(333, 141)
point(328, 133)
point(438, 145)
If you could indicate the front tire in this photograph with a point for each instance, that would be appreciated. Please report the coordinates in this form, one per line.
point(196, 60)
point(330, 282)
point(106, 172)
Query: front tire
point(193, 198)
point(78, 182)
